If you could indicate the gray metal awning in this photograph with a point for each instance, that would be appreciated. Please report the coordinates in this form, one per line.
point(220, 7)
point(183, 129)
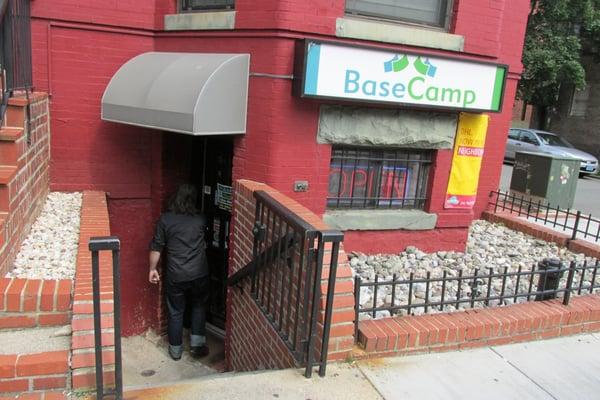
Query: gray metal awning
point(192, 93)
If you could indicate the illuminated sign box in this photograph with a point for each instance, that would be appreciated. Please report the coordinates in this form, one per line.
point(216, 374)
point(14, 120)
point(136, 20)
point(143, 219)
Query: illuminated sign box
point(333, 71)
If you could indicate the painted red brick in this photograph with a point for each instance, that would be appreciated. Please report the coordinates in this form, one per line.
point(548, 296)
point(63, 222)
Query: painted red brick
point(4, 283)
point(47, 299)
point(30, 297)
point(31, 396)
point(55, 362)
point(54, 319)
point(58, 382)
point(63, 296)
point(88, 380)
point(14, 294)
point(55, 396)
point(88, 359)
point(480, 327)
point(7, 366)
point(17, 321)
point(14, 385)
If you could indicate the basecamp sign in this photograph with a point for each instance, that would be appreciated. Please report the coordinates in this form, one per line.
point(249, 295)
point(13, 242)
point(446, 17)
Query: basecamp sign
point(466, 161)
point(351, 73)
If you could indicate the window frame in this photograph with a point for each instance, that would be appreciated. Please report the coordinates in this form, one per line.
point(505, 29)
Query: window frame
point(536, 141)
point(182, 10)
point(444, 23)
point(518, 134)
point(352, 159)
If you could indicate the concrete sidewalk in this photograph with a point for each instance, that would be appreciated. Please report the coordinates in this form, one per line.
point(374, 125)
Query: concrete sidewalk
point(565, 368)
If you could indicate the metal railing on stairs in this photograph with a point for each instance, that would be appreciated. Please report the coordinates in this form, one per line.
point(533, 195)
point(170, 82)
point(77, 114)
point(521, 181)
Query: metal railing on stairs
point(15, 51)
point(96, 245)
point(284, 278)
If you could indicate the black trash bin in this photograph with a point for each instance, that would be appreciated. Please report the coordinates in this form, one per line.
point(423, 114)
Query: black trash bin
point(550, 275)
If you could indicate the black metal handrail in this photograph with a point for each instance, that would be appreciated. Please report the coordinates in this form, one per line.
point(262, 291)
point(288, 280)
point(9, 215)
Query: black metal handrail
point(96, 245)
point(573, 222)
point(540, 283)
point(284, 279)
point(15, 50)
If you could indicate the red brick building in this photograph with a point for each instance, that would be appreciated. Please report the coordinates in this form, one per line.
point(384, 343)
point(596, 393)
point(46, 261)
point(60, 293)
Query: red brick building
point(331, 152)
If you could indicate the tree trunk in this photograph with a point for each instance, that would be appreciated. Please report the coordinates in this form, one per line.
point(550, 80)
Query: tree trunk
point(540, 118)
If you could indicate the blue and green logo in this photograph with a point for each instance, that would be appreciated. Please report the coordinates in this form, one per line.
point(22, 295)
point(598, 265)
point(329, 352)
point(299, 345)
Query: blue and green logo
point(399, 63)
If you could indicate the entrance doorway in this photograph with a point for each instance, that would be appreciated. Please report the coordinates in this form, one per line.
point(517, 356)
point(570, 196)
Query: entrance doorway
point(211, 167)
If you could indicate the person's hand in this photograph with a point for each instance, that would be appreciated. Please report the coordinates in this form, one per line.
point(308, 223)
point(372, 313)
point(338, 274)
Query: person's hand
point(154, 276)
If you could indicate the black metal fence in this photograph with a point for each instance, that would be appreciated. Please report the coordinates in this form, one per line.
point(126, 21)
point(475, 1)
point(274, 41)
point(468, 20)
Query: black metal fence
point(97, 244)
point(15, 50)
point(285, 277)
point(453, 290)
point(575, 223)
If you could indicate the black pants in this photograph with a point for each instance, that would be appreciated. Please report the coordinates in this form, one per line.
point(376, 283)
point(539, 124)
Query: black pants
point(194, 295)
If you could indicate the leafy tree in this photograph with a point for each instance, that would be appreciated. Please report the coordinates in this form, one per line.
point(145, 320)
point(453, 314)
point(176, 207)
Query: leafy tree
point(557, 30)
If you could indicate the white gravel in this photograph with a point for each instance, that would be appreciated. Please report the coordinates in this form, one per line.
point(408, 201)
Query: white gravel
point(489, 246)
point(50, 249)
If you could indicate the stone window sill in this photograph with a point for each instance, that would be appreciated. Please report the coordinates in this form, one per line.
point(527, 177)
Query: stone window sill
point(217, 20)
point(365, 29)
point(376, 220)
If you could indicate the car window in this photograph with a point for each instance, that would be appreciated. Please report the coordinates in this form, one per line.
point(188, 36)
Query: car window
point(513, 134)
point(529, 137)
point(553, 140)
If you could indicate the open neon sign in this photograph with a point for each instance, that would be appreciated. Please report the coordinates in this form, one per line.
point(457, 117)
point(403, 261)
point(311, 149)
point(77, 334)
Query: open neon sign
point(382, 185)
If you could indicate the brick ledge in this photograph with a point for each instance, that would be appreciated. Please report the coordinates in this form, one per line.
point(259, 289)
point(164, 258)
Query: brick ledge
point(478, 327)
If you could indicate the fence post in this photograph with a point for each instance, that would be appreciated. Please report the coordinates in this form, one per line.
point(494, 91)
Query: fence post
point(335, 238)
point(357, 281)
point(576, 225)
point(570, 277)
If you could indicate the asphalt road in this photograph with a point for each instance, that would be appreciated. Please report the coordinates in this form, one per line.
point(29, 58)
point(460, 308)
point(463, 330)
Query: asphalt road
point(587, 197)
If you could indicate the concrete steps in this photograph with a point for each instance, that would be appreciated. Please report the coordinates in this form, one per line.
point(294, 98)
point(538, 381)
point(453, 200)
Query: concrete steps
point(34, 360)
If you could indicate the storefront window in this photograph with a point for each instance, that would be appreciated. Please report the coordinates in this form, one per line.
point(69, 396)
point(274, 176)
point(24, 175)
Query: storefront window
point(378, 178)
point(428, 12)
point(202, 5)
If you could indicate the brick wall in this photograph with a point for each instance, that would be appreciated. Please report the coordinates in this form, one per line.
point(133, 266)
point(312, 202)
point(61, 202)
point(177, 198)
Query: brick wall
point(34, 374)
point(251, 342)
point(27, 303)
point(94, 222)
point(477, 328)
point(24, 180)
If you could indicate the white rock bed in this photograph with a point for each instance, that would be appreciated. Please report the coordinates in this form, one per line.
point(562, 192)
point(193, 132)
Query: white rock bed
point(50, 249)
point(489, 246)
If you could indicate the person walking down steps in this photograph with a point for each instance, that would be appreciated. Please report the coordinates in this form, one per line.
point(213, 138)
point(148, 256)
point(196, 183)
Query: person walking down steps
point(180, 236)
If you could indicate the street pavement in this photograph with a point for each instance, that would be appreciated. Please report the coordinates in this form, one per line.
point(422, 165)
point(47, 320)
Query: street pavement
point(587, 196)
point(559, 369)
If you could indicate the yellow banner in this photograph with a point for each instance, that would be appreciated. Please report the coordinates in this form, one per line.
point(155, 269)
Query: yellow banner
point(466, 161)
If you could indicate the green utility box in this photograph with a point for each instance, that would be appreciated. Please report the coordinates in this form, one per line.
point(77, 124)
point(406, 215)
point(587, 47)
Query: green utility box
point(546, 178)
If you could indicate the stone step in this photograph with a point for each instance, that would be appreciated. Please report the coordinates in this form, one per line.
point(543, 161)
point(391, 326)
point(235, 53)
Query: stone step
point(10, 133)
point(7, 172)
point(11, 151)
point(33, 360)
point(35, 340)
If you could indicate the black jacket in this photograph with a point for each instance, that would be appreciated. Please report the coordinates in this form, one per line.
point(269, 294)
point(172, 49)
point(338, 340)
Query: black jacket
point(183, 239)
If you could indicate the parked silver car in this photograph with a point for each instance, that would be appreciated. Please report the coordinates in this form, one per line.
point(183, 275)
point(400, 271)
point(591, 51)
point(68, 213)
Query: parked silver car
point(536, 141)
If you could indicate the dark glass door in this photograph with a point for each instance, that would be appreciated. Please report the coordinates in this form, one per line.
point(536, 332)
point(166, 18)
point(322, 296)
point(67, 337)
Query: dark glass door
point(212, 173)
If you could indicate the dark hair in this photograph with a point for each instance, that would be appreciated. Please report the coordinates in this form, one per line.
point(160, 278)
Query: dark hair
point(184, 200)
